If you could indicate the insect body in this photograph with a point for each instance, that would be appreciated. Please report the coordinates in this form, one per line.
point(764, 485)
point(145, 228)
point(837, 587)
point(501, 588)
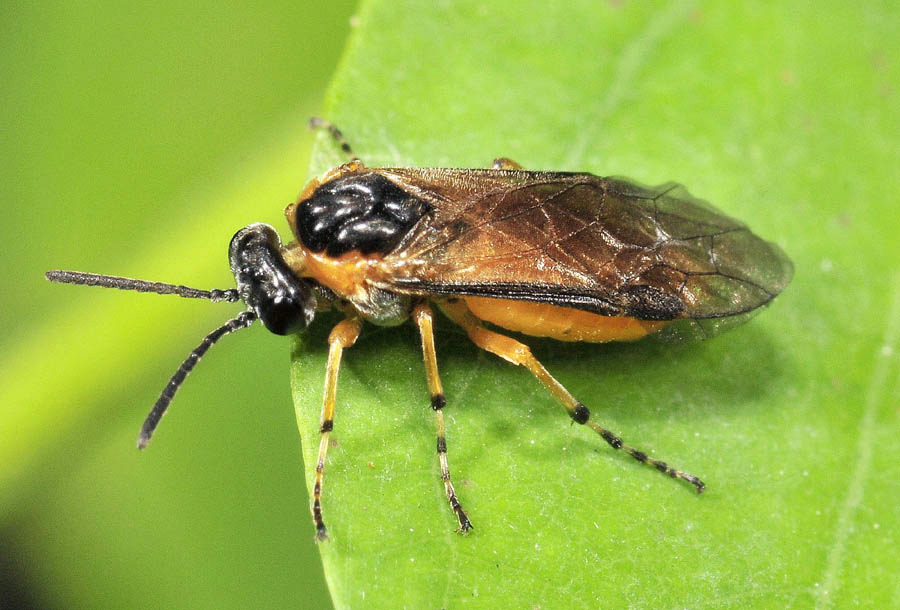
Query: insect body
point(570, 256)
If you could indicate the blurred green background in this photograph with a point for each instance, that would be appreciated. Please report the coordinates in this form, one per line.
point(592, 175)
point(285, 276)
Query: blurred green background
point(135, 141)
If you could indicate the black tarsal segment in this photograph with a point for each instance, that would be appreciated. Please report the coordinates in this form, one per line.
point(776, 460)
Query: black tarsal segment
point(365, 212)
point(580, 414)
point(327, 426)
point(438, 402)
point(612, 439)
point(441, 445)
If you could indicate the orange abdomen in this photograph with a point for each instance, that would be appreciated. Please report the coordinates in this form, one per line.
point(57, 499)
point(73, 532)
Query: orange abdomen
point(562, 323)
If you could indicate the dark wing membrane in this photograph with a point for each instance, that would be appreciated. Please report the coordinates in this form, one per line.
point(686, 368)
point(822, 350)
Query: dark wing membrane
point(605, 245)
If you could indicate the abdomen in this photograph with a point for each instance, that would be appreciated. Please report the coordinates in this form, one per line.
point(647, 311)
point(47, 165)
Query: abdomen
point(562, 323)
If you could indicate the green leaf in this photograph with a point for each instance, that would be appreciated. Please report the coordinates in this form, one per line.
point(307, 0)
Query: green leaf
point(784, 115)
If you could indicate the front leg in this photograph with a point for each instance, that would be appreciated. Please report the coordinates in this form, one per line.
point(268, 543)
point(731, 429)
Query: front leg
point(336, 135)
point(342, 336)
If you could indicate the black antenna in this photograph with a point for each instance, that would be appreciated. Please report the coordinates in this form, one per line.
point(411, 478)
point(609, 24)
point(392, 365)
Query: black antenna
point(127, 283)
point(243, 320)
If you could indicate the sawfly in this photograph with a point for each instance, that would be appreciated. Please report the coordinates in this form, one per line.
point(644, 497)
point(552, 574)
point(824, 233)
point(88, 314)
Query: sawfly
point(570, 256)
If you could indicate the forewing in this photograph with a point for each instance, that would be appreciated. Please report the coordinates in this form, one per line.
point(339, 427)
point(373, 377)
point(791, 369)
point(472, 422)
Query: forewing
point(605, 245)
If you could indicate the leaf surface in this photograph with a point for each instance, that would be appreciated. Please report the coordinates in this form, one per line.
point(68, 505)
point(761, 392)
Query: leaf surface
point(780, 118)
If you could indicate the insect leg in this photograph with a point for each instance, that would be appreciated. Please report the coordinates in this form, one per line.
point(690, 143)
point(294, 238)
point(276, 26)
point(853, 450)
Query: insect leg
point(505, 163)
point(343, 335)
point(424, 318)
point(518, 353)
point(336, 135)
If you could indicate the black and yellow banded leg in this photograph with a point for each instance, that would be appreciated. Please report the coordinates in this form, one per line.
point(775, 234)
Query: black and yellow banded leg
point(424, 318)
point(518, 353)
point(343, 335)
point(336, 135)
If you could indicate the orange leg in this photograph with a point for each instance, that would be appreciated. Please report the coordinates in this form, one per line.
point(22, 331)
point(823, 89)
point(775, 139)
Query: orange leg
point(424, 318)
point(518, 353)
point(505, 163)
point(343, 335)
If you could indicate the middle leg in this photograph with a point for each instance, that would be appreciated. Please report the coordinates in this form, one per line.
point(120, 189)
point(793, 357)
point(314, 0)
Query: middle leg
point(425, 321)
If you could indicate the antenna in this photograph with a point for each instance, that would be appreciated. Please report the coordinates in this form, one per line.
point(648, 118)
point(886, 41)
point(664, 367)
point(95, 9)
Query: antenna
point(243, 320)
point(127, 283)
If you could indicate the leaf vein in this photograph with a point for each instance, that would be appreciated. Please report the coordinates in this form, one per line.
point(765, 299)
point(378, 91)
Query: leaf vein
point(854, 496)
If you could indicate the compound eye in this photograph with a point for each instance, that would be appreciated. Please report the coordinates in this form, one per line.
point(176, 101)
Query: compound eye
point(287, 316)
point(283, 302)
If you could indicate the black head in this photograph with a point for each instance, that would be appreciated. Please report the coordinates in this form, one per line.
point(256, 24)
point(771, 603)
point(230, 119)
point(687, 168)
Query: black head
point(271, 292)
point(365, 212)
point(283, 302)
